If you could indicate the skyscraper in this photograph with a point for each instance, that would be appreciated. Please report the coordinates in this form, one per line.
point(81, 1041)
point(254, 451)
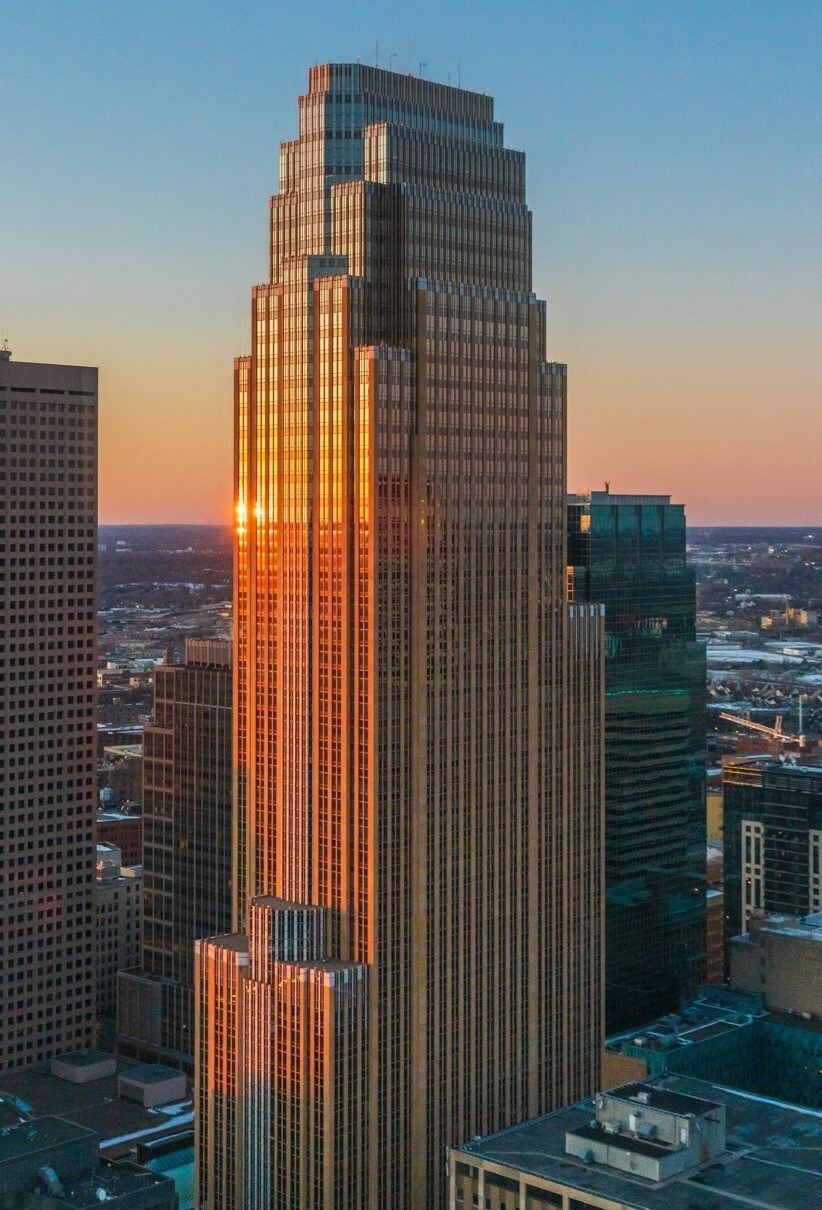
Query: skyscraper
point(629, 552)
point(48, 532)
point(187, 849)
point(419, 835)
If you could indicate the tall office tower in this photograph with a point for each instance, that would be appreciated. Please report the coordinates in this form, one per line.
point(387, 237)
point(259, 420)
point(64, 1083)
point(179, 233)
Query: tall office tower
point(629, 552)
point(118, 899)
point(187, 817)
point(48, 796)
point(418, 707)
point(772, 825)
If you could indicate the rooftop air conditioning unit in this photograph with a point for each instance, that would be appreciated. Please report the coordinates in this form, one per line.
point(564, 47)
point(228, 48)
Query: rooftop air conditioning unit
point(49, 1182)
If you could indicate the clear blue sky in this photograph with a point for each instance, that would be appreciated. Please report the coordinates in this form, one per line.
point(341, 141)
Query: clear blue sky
point(674, 170)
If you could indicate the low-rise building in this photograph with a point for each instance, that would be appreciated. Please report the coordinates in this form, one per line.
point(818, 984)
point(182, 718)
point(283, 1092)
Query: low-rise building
point(733, 1038)
point(53, 1164)
point(136, 1113)
point(668, 1144)
point(780, 957)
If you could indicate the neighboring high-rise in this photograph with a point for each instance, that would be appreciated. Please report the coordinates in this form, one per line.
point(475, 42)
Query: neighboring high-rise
point(419, 863)
point(118, 896)
point(186, 850)
point(48, 794)
point(629, 552)
point(772, 824)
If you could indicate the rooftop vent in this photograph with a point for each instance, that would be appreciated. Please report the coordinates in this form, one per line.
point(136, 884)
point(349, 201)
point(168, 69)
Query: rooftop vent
point(49, 1182)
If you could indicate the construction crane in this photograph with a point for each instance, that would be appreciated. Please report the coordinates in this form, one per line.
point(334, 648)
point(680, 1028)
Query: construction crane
point(774, 732)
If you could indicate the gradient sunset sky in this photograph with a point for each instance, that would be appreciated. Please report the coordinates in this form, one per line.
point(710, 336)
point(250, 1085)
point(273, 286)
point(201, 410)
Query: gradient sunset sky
point(674, 155)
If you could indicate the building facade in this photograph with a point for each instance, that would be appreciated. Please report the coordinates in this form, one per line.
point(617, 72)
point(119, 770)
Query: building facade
point(629, 552)
point(124, 831)
point(220, 971)
point(714, 936)
point(187, 823)
point(118, 908)
point(772, 825)
point(780, 958)
point(48, 532)
point(418, 845)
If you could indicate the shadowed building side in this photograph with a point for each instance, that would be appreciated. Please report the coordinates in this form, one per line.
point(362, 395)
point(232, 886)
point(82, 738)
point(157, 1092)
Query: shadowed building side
point(187, 865)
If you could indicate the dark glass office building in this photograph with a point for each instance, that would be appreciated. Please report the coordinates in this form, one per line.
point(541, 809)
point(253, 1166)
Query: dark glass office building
point(772, 836)
point(629, 552)
point(187, 849)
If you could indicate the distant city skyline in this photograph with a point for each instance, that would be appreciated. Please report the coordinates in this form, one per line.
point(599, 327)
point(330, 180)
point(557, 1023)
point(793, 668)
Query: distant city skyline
point(673, 174)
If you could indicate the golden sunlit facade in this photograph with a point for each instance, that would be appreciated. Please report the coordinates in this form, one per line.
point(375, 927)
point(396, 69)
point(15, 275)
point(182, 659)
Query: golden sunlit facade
point(419, 824)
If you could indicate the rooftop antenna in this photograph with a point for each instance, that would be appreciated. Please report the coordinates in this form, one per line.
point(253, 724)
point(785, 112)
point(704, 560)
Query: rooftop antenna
point(376, 54)
point(5, 352)
point(459, 75)
point(391, 59)
point(422, 65)
point(607, 485)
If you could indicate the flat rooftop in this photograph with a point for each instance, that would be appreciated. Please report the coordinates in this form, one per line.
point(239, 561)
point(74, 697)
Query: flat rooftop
point(773, 1159)
point(97, 1106)
point(40, 1135)
point(701, 1019)
point(151, 1073)
point(83, 1058)
point(703, 1032)
point(228, 941)
point(809, 928)
point(117, 1181)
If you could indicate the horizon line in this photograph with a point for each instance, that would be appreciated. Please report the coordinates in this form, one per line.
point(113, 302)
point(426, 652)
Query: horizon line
point(689, 524)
